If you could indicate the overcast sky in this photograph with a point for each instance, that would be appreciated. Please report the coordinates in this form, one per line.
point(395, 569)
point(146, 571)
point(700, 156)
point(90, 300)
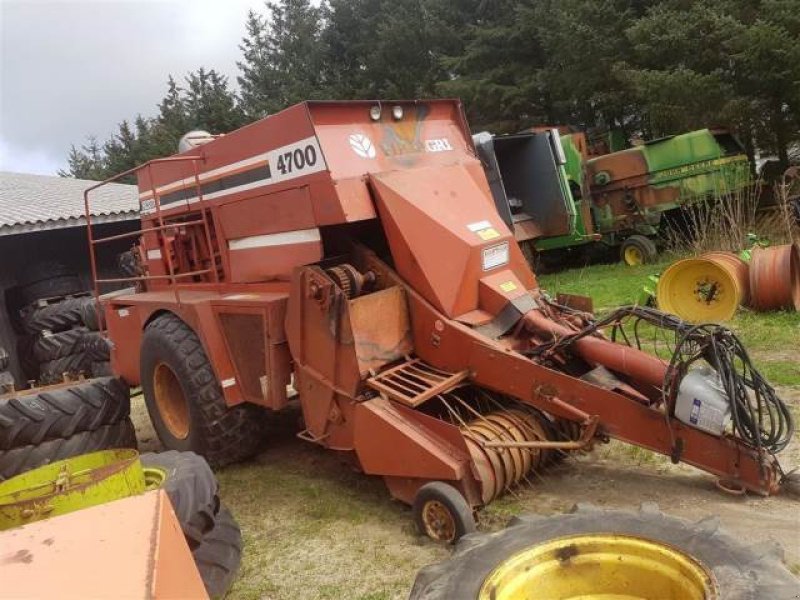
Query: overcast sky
point(70, 68)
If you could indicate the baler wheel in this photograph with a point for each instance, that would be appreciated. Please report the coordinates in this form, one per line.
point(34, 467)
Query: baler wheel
point(442, 513)
point(594, 553)
point(185, 401)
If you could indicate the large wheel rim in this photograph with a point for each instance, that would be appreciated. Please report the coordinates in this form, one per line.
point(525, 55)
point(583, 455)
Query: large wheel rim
point(633, 256)
point(439, 522)
point(171, 401)
point(600, 566)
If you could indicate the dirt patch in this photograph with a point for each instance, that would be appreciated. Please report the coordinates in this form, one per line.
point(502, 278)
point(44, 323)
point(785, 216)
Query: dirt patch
point(315, 529)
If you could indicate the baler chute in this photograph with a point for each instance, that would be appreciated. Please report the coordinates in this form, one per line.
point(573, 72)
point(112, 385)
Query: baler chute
point(357, 250)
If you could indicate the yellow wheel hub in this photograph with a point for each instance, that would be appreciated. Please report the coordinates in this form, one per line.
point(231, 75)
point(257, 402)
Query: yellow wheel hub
point(633, 256)
point(599, 567)
point(698, 290)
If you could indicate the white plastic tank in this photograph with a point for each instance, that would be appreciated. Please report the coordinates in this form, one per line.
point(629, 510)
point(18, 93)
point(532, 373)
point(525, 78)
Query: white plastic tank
point(702, 401)
point(194, 138)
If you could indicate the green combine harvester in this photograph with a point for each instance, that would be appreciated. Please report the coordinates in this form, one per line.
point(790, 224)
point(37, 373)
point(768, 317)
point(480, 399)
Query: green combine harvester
point(556, 194)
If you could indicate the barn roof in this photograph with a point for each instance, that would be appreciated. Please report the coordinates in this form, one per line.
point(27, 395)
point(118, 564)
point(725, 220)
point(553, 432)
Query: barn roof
point(42, 202)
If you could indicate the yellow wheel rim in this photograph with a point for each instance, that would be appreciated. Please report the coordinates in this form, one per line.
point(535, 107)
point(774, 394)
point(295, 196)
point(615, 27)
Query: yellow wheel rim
point(698, 290)
point(439, 523)
point(600, 567)
point(633, 256)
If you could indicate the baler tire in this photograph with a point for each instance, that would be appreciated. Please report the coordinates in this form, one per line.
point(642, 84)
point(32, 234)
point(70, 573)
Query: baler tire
point(219, 555)
point(192, 489)
point(446, 498)
point(644, 245)
point(221, 434)
point(742, 572)
point(52, 346)
point(24, 458)
point(30, 417)
point(59, 316)
point(53, 371)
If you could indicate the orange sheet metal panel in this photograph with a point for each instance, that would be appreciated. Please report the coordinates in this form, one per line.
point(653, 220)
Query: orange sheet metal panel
point(445, 235)
point(131, 548)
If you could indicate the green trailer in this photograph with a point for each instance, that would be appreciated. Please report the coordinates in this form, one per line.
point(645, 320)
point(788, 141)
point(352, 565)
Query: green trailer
point(618, 199)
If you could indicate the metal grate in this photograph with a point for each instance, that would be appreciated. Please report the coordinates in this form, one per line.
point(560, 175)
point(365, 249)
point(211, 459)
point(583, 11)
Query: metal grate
point(414, 381)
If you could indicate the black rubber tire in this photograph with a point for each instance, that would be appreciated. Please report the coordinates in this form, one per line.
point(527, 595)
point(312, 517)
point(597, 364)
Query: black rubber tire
point(452, 500)
point(101, 368)
point(31, 418)
point(60, 316)
point(192, 489)
point(644, 244)
point(96, 347)
point(219, 556)
point(53, 371)
point(28, 364)
point(52, 346)
point(7, 383)
point(24, 458)
point(90, 316)
point(55, 287)
point(221, 434)
point(742, 572)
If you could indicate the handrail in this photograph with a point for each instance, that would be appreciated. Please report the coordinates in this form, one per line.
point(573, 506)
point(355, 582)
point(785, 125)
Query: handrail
point(172, 277)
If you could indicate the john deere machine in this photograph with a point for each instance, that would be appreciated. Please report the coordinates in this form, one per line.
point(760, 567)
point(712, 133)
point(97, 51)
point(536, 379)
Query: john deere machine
point(351, 252)
point(620, 199)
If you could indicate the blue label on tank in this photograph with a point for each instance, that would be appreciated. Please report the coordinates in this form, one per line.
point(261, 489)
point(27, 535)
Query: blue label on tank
point(694, 416)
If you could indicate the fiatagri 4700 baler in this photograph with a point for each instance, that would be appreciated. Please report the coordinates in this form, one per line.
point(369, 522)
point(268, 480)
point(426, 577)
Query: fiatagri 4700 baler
point(352, 250)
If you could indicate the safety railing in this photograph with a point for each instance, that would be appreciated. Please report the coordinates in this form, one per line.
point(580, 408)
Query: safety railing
point(172, 277)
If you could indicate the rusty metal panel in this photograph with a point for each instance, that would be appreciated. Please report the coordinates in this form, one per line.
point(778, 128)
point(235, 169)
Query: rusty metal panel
point(381, 330)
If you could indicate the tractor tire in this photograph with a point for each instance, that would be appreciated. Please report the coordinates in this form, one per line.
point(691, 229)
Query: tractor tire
point(220, 554)
point(96, 347)
point(59, 316)
point(7, 383)
point(48, 280)
point(638, 250)
point(101, 368)
point(190, 413)
point(24, 458)
point(31, 418)
point(28, 364)
point(52, 346)
point(741, 572)
point(192, 489)
point(53, 371)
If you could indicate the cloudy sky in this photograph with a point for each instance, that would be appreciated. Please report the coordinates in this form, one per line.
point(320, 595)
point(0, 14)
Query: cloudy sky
point(70, 68)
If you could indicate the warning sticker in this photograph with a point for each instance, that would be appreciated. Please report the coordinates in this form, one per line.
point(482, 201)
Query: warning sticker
point(508, 286)
point(488, 234)
point(495, 256)
point(478, 225)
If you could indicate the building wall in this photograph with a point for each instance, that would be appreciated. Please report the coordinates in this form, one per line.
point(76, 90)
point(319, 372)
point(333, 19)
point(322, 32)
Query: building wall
point(68, 246)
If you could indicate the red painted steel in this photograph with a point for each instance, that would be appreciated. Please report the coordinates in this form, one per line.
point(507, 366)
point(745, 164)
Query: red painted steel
point(239, 235)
